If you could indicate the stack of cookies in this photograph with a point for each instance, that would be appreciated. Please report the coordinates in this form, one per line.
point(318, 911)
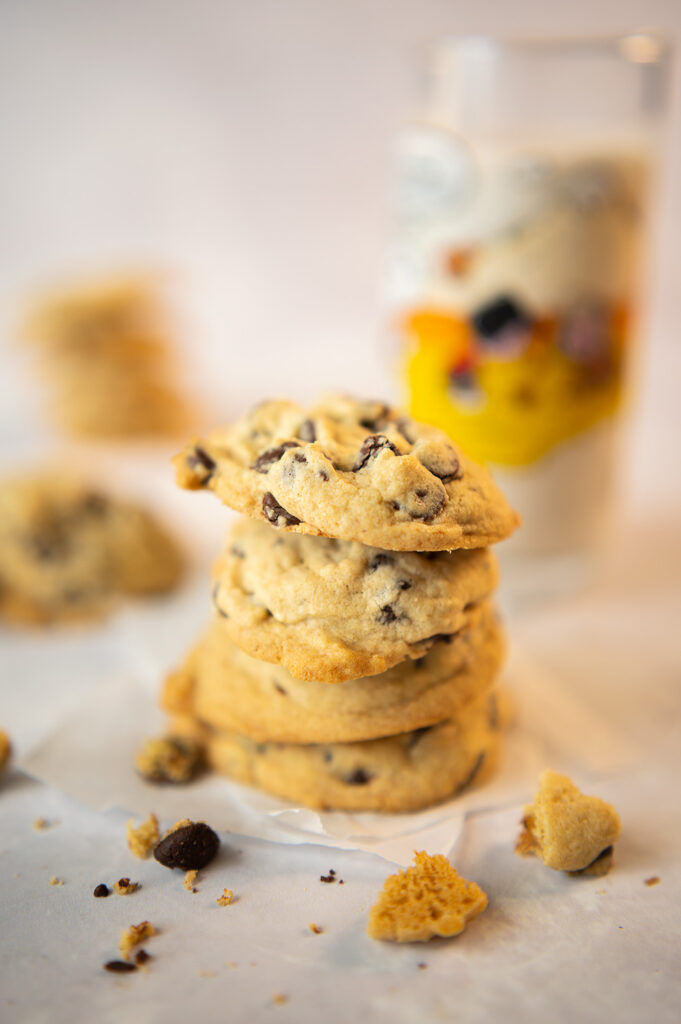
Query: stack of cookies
point(353, 650)
point(105, 354)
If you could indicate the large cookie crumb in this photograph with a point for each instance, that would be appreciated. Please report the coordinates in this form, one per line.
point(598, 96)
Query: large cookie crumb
point(5, 750)
point(143, 839)
point(567, 830)
point(226, 898)
point(135, 936)
point(174, 759)
point(425, 900)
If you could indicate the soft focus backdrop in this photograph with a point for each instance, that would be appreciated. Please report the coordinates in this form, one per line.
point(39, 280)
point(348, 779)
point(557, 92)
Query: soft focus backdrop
point(247, 147)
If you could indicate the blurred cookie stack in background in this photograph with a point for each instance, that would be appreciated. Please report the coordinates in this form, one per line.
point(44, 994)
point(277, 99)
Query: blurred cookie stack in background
point(105, 353)
point(354, 647)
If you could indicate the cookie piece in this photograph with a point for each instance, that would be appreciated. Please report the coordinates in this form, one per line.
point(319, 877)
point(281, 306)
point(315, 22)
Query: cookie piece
point(332, 610)
point(358, 471)
point(426, 900)
point(229, 690)
point(396, 773)
point(567, 830)
point(67, 548)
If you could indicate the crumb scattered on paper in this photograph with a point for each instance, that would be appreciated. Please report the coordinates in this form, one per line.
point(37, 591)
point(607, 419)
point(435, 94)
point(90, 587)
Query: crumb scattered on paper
point(56, 881)
point(143, 839)
point(654, 880)
point(135, 936)
point(226, 898)
point(40, 824)
point(279, 998)
point(5, 750)
point(315, 929)
point(189, 880)
point(124, 887)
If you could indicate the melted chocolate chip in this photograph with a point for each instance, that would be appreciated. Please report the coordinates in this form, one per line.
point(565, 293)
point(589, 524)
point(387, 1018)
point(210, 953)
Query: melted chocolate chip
point(360, 777)
point(371, 422)
point(189, 847)
point(371, 446)
point(307, 432)
point(101, 890)
point(427, 509)
point(119, 967)
point(275, 512)
point(214, 597)
point(472, 773)
point(201, 464)
point(377, 561)
point(403, 424)
point(299, 457)
point(442, 462)
point(271, 455)
point(141, 956)
point(386, 615)
point(323, 474)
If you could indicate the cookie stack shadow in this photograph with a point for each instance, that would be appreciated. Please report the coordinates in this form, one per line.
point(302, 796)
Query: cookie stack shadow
point(338, 672)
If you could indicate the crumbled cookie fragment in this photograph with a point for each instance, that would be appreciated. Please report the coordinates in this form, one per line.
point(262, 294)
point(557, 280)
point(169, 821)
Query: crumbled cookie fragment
point(174, 759)
point(567, 830)
point(188, 845)
point(425, 900)
point(5, 750)
point(279, 999)
point(101, 890)
point(56, 881)
point(40, 824)
point(135, 936)
point(226, 898)
point(655, 880)
point(124, 887)
point(315, 929)
point(189, 880)
point(143, 839)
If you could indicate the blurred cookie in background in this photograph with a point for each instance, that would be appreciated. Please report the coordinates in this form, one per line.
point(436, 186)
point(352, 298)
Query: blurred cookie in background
point(106, 354)
point(68, 550)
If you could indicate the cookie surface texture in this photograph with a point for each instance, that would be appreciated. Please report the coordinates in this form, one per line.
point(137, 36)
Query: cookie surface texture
point(353, 470)
point(333, 610)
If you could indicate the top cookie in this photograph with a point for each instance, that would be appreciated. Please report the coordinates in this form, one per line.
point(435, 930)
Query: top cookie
point(352, 470)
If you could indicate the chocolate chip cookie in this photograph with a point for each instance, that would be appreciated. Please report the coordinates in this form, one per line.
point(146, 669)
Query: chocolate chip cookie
point(67, 548)
point(396, 773)
point(353, 470)
point(228, 690)
point(332, 610)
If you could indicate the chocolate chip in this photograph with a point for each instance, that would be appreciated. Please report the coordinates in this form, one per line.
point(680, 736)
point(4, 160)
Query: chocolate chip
point(94, 504)
point(403, 424)
point(299, 457)
point(274, 512)
point(119, 967)
point(386, 615)
point(214, 597)
point(378, 560)
point(237, 551)
point(189, 847)
point(328, 757)
point(327, 878)
point(403, 585)
point(272, 455)
point(440, 460)
point(141, 956)
point(323, 474)
point(280, 689)
point(428, 504)
point(201, 464)
point(101, 890)
point(359, 777)
point(371, 446)
point(307, 432)
point(371, 422)
point(430, 555)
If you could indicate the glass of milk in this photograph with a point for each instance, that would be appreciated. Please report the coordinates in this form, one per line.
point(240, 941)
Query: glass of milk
point(516, 271)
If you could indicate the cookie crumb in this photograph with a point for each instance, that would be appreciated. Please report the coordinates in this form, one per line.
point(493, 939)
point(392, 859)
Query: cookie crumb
point(567, 830)
point(206, 974)
point(279, 998)
point(327, 878)
point(173, 759)
point(232, 963)
point(56, 881)
point(226, 898)
point(5, 750)
point(135, 936)
point(143, 839)
point(101, 890)
point(124, 887)
point(40, 824)
point(422, 967)
point(189, 880)
point(654, 880)
point(119, 967)
point(142, 957)
point(315, 929)
point(425, 900)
